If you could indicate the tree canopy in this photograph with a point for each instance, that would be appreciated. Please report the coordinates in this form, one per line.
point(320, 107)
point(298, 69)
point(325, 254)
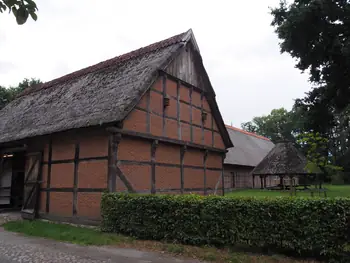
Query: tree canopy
point(278, 125)
point(10, 93)
point(21, 9)
point(317, 34)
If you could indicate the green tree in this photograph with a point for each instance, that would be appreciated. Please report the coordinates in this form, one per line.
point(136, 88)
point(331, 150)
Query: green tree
point(9, 94)
point(277, 125)
point(20, 8)
point(316, 33)
point(319, 159)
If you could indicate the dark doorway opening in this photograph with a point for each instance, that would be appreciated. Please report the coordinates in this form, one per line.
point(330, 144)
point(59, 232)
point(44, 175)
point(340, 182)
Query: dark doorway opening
point(12, 170)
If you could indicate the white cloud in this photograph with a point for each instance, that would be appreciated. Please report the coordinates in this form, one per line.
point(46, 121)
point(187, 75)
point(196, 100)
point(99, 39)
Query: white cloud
point(238, 45)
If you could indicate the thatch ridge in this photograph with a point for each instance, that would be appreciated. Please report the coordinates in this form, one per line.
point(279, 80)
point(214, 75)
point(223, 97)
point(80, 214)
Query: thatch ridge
point(283, 159)
point(107, 63)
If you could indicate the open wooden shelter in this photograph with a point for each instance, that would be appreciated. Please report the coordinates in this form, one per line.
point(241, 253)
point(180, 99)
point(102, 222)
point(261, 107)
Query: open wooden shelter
point(285, 162)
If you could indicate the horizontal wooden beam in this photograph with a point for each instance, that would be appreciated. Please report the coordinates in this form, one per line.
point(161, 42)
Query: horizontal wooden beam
point(182, 82)
point(130, 162)
point(71, 189)
point(99, 158)
point(163, 139)
point(14, 149)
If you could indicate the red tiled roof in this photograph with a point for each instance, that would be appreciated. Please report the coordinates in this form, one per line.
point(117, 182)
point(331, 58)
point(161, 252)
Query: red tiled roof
point(107, 63)
point(246, 132)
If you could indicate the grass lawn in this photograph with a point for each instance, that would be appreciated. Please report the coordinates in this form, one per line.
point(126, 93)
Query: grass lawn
point(87, 236)
point(332, 191)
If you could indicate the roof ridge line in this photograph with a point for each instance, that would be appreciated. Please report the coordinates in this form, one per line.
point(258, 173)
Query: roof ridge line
point(246, 132)
point(109, 62)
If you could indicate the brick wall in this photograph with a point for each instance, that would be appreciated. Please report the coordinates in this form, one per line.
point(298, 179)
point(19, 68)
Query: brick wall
point(181, 120)
point(75, 168)
point(74, 174)
point(136, 162)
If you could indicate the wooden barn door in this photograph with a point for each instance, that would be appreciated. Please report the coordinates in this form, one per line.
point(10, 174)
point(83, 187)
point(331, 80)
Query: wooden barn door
point(31, 185)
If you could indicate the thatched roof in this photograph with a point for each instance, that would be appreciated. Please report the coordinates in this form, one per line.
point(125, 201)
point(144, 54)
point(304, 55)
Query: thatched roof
point(249, 148)
point(100, 94)
point(283, 159)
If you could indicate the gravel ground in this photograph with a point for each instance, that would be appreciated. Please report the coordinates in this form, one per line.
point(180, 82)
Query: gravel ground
point(17, 248)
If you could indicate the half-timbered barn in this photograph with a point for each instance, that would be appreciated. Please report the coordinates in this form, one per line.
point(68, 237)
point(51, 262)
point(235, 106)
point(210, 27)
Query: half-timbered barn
point(248, 151)
point(145, 122)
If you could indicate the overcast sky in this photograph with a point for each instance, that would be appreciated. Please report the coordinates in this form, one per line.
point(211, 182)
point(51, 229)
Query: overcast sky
point(237, 43)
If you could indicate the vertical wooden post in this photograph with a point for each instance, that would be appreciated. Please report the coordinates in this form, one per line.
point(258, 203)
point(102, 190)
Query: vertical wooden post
point(222, 173)
point(212, 130)
point(281, 181)
point(191, 114)
point(148, 102)
point(182, 169)
point(75, 182)
point(253, 181)
point(265, 181)
point(114, 140)
point(164, 80)
point(153, 166)
point(205, 171)
point(49, 163)
point(261, 182)
point(202, 121)
point(179, 136)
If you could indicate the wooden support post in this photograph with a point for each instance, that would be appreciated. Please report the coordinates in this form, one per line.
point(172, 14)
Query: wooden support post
point(148, 105)
point(191, 115)
point(265, 181)
point(281, 180)
point(202, 120)
point(178, 107)
point(253, 181)
point(48, 185)
point(205, 171)
point(114, 140)
point(261, 182)
point(153, 166)
point(222, 174)
point(164, 88)
point(75, 180)
point(182, 170)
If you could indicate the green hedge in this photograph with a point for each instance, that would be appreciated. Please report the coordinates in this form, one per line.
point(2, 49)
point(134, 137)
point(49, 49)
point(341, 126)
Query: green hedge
point(303, 226)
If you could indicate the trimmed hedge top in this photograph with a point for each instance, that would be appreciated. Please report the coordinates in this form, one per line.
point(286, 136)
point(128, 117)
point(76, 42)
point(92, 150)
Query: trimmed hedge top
point(300, 225)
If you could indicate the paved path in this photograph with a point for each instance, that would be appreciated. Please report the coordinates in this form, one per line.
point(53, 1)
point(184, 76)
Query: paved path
point(15, 248)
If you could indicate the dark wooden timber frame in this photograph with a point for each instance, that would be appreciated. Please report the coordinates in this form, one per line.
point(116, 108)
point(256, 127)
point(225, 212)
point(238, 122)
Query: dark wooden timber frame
point(222, 174)
point(182, 167)
point(205, 157)
point(179, 135)
point(163, 139)
point(112, 162)
point(32, 185)
point(113, 168)
point(204, 94)
point(153, 166)
point(202, 121)
point(49, 176)
point(164, 80)
point(75, 182)
point(191, 114)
